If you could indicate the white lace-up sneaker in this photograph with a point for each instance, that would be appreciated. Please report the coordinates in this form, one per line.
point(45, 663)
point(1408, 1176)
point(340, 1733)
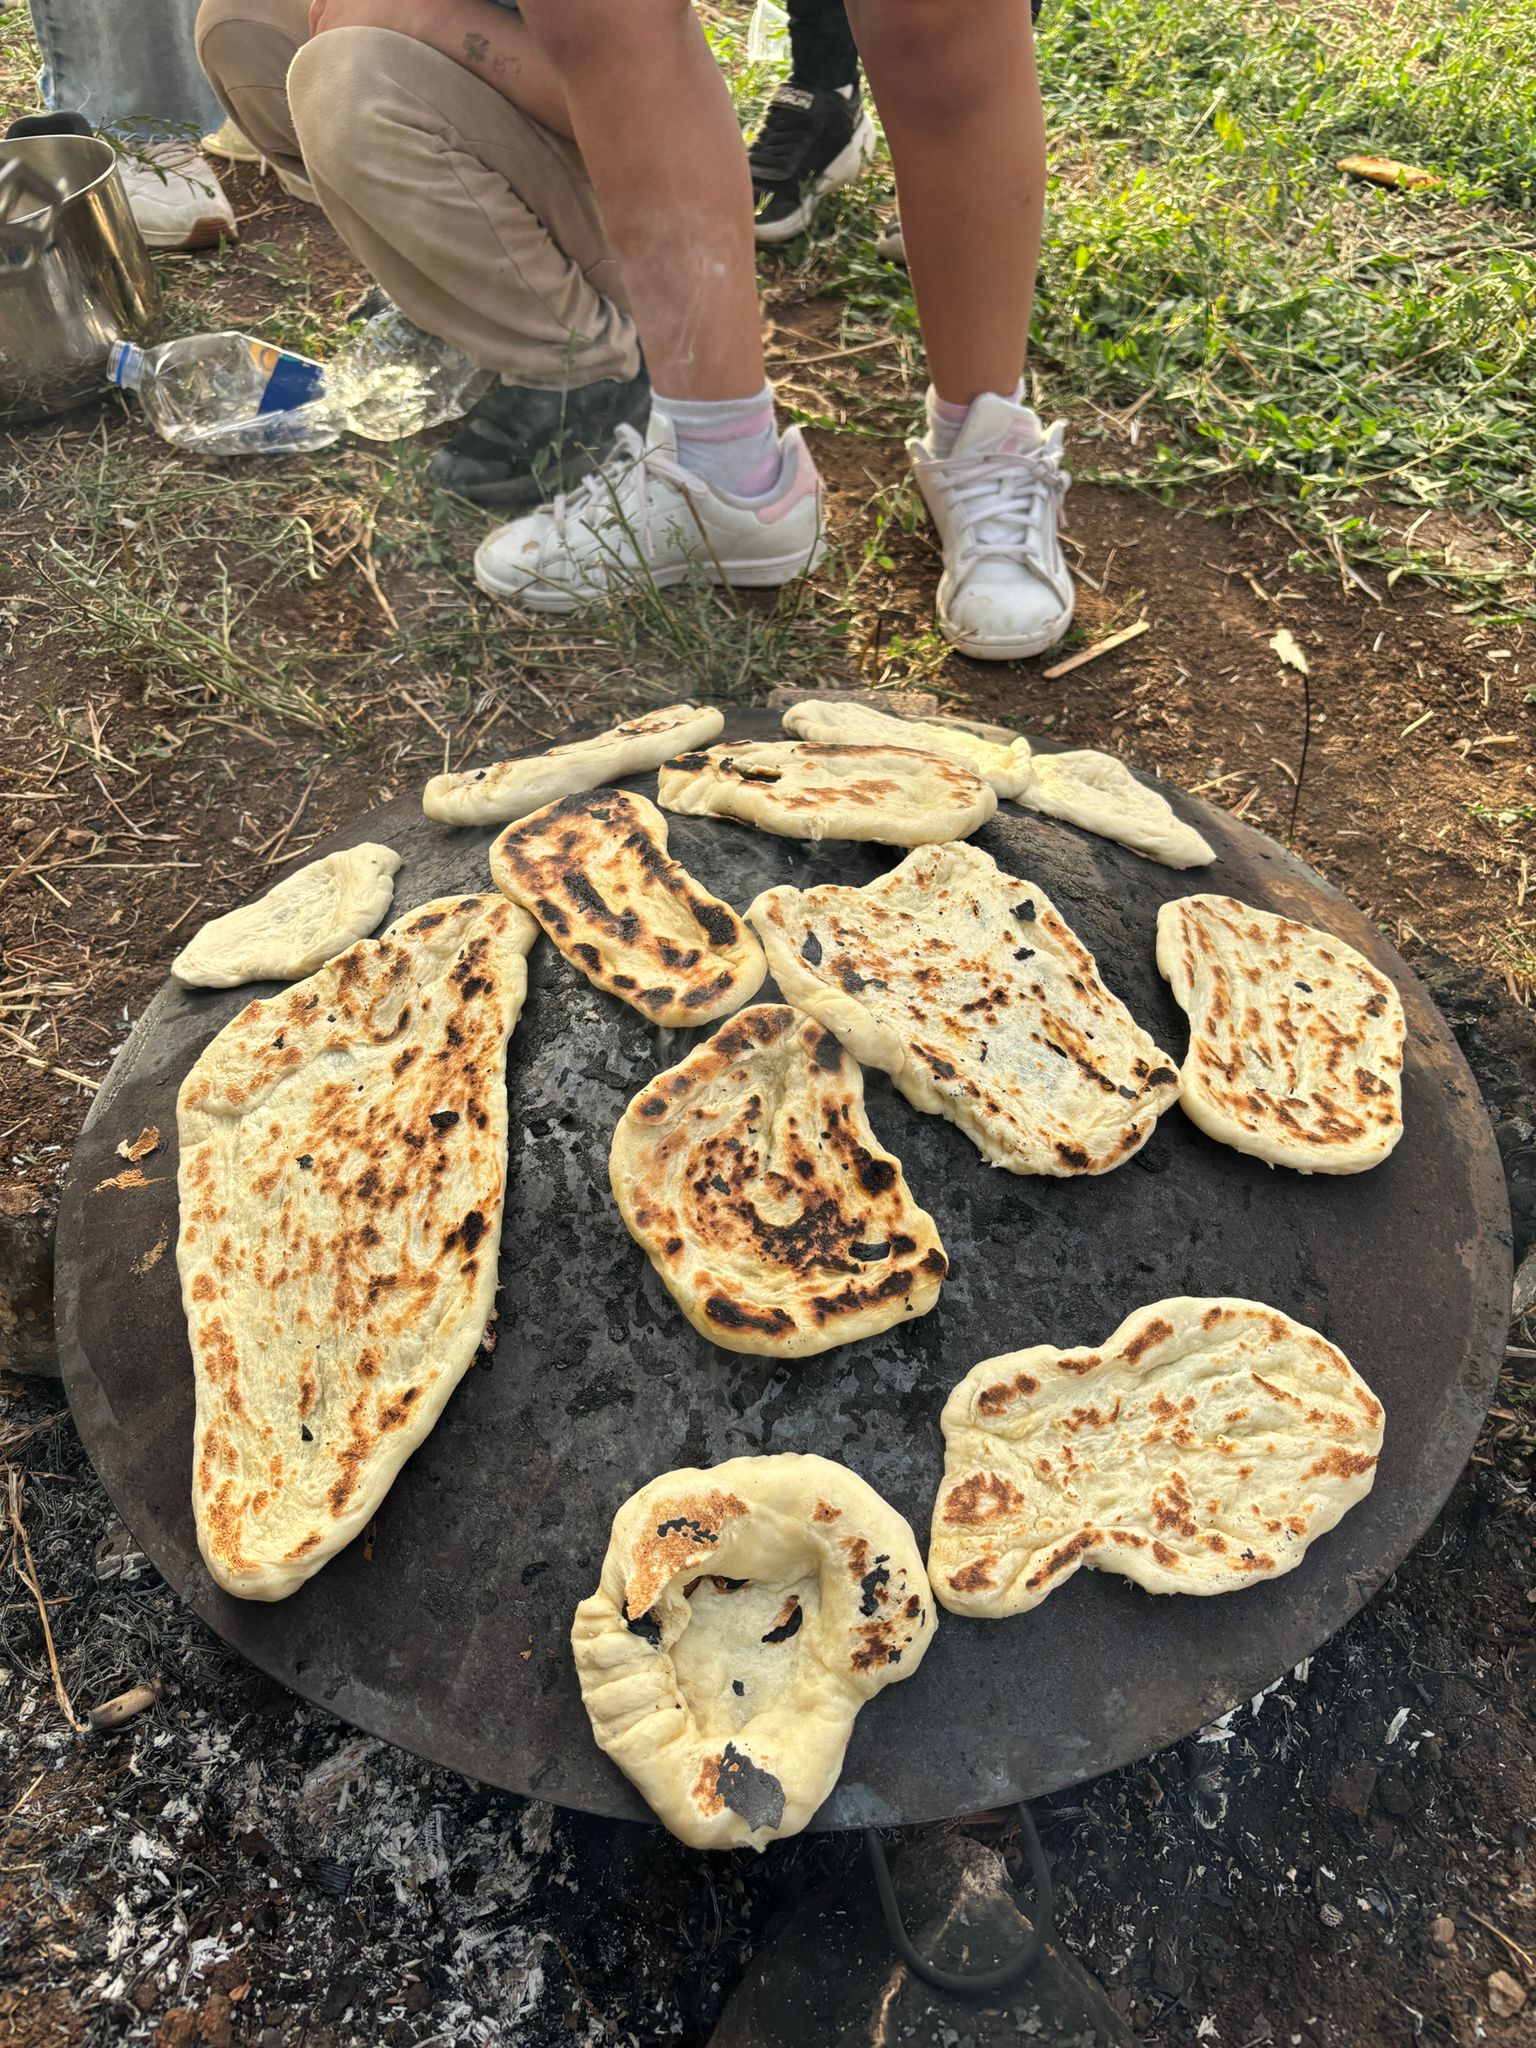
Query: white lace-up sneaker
point(175, 197)
point(1006, 591)
point(643, 517)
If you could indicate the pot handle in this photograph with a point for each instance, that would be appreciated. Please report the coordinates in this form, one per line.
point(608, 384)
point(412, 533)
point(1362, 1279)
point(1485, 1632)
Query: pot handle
point(24, 190)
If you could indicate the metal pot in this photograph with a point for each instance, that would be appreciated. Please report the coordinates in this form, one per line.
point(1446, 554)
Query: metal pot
point(75, 274)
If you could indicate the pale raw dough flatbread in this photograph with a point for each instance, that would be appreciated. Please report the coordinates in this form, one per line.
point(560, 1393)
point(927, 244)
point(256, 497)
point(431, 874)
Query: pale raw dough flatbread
point(1295, 1041)
point(595, 871)
point(1100, 793)
point(1006, 768)
point(744, 1615)
point(970, 990)
point(1203, 1448)
point(343, 1162)
point(804, 790)
point(511, 789)
point(751, 1179)
point(310, 916)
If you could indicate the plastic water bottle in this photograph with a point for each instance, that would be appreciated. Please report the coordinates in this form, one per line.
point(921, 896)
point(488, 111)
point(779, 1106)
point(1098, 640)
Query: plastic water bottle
point(768, 34)
point(227, 394)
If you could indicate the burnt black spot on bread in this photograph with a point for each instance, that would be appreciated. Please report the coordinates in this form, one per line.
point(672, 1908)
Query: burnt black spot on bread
point(643, 1625)
point(468, 1234)
point(810, 949)
point(869, 1253)
point(873, 1584)
point(829, 1054)
point(716, 921)
point(685, 1525)
point(731, 1315)
point(756, 1795)
point(874, 1175)
point(789, 1626)
point(1025, 911)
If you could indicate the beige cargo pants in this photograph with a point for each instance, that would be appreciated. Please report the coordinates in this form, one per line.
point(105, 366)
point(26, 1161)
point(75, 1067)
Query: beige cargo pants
point(479, 223)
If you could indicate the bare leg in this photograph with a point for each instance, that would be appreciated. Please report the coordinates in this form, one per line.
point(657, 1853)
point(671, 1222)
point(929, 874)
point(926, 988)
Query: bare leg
point(653, 120)
point(956, 87)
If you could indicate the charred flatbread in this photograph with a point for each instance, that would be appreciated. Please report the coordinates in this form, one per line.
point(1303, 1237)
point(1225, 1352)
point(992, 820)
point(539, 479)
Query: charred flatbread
point(511, 789)
point(1295, 1041)
point(1099, 793)
point(595, 871)
point(310, 916)
point(744, 1615)
point(1202, 1449)
point(971, 991)
point(1005, 767)
point(804, 790)
point(343, 1163)
point(751, 1179)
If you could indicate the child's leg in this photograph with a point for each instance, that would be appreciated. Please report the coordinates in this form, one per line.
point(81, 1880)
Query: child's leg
point(956, 87)
point(653, 119)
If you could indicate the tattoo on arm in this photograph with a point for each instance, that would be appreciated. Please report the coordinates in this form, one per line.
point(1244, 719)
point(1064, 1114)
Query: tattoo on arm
point(475, 49)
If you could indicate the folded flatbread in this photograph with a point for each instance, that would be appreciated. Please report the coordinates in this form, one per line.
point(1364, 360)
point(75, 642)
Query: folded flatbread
point(1100, 793)
point(751, 1179)
point(969, 989)
point(511, 789)
point(803, 790)
point(1203, 1448)
point(595, 871)
point(1295, 1041)
point(343, 1163)
point(1006, 768)
point(744, 1615)
point(310, 915)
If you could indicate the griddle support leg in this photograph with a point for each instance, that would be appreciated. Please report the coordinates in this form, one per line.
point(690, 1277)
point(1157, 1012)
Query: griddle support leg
point(971, 1982)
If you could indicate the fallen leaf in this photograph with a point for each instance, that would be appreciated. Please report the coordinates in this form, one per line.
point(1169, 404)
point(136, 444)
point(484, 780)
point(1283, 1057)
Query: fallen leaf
point(1386, 170)
point(1284, 643)
point(1506, 1994)
point(140, 1147)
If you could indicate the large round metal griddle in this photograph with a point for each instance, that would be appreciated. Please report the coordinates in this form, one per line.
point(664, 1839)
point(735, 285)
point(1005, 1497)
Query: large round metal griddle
point(448, 1633)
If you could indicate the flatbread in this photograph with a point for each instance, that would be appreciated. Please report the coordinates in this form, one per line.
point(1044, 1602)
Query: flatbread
point(343, 1161)
point(752, 1181)
point(1100, 793)
point(970, 990)
point(1006, 768)
point(1295, 1041)
point(1204, 1448)
point(804, 790)
point(511, 789)
point(594, 870)
point(744, 1615)
point(310, 916)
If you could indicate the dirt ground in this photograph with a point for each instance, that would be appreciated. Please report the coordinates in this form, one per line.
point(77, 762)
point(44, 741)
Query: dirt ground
point(236, 1867)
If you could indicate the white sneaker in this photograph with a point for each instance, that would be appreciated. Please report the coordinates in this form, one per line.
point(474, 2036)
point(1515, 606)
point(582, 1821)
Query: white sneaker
point(175, 197)
point(643, 518)
point(231, 142)
point(1006, 591)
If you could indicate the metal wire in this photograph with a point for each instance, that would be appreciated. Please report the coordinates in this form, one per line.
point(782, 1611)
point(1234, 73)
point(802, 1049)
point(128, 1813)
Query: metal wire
point(970, 1983)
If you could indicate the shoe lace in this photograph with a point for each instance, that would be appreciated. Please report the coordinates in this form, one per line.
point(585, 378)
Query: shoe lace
point(176, 156)
point(618, 493)
point(1006, 500)
point(778, 147)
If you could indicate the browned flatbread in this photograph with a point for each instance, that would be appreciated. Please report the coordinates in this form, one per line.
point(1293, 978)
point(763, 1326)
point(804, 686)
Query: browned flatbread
point(752, 1181)
point(595, 871)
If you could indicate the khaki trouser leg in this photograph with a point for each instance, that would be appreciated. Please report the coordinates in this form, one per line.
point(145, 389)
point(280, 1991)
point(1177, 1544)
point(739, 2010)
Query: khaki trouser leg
point(245, 47)
point(479, 222)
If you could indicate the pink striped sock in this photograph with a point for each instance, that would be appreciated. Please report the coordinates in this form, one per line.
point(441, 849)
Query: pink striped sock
point(733, 443)
point(946, 420)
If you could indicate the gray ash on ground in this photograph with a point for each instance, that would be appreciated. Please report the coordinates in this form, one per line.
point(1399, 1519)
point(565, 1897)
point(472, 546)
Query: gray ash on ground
point(236, 1867)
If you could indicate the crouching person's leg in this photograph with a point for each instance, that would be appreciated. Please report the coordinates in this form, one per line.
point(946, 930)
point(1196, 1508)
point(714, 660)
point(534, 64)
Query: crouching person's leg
point(245, 48)
point(481, 226)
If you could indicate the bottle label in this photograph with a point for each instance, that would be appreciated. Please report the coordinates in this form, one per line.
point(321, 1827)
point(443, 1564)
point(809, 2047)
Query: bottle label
point(291, 380)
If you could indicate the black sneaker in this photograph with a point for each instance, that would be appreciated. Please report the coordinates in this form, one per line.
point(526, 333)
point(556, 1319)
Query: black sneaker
point(889, 242)
point(518, 447)
point(810, 143)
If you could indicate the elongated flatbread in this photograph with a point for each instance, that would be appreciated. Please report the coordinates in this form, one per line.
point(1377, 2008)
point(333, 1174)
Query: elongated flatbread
point(751, 1179)
point(511, 789)
point(310, 916)
point(1006, 768)
point(1295, 1042)
point(1100, 793)
point(968, 988)
point(1205, 1447)
point(803, 790)
point(343, 1162)
point(744, 1615)
point(595, 871)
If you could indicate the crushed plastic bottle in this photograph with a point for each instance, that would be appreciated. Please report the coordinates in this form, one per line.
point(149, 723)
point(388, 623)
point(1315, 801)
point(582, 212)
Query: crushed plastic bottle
point(228, 394)
point(768, 34)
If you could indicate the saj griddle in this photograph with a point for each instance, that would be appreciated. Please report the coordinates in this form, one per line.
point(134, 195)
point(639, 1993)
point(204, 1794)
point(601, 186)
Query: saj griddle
point(447, 1631)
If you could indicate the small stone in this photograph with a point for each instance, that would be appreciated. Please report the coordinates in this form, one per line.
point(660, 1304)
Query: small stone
point(1330, 1915)
point(1506, 1995)
point(1442, 1932)
point(178, 2029)
point(1350, 1791)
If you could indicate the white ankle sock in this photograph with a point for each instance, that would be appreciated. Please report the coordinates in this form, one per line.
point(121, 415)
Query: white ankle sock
point(733, 443)
point(946, 420)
